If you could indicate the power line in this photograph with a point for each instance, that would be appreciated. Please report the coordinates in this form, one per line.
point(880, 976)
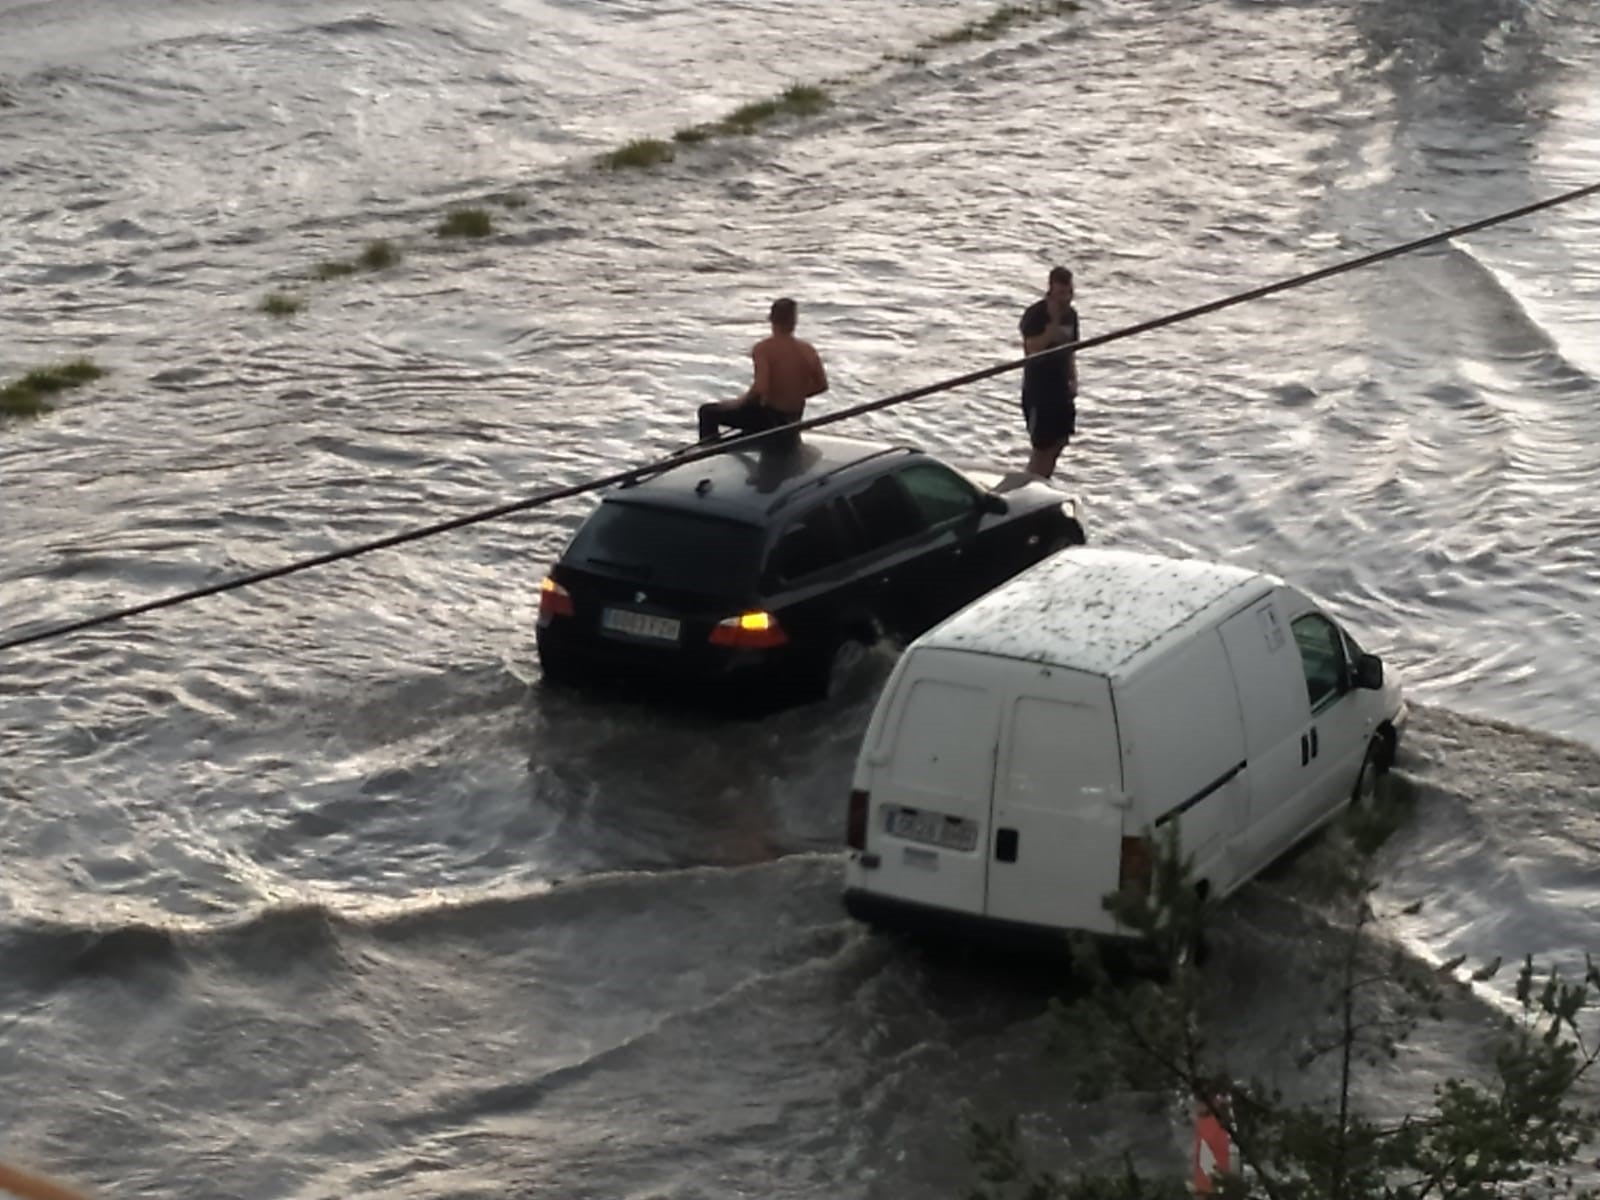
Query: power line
point(550, 495)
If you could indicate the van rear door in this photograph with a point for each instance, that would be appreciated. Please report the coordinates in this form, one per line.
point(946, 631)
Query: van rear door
point(1055, 846)
point(932, 767)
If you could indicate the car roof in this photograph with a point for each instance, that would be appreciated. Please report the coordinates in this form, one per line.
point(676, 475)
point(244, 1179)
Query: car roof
point(1097, 610)
point(751, 484)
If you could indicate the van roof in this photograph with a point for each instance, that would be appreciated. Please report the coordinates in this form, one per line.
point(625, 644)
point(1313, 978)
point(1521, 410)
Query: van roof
point(1095, 610)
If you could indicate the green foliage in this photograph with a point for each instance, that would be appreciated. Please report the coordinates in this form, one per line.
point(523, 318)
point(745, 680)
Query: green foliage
point(25, 397)
point(281, 304)
point(1519, 1121)
point(1001, 19)
point(466, 223)
point(375, 256)
point(378, 254)
point(804, 100)
point(639, 154)
point(746, 117)
point(336, 268)
point(797, 100)
point(1003, 1167)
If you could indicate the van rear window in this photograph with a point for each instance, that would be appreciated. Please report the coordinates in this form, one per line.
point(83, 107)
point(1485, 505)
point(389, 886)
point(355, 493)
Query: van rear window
point(668, 548)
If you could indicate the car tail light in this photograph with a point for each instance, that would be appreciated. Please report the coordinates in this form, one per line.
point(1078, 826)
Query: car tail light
point(1135, 870)
point(749, 631)
point(554, 600)
point(855, 833)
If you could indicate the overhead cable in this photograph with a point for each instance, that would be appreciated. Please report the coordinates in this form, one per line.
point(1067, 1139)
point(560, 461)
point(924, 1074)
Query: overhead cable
point(696, 454)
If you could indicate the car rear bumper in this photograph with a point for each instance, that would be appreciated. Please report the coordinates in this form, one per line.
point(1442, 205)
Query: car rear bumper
point(601, 662)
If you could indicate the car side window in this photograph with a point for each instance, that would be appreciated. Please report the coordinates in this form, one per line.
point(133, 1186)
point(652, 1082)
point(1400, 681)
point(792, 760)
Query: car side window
point(812, 542)
point(1322, 658)
point(884, 512)
point(938, 493)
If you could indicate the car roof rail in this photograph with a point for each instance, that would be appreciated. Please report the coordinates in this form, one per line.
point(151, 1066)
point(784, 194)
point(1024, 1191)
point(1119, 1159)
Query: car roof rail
point(828, 476)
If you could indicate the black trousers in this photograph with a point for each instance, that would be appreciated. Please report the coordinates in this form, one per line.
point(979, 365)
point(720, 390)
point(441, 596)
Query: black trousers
point(747, 418)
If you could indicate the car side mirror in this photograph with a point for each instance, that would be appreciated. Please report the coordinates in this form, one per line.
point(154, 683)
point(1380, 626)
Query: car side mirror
point(990, 503)
point(1369, 672)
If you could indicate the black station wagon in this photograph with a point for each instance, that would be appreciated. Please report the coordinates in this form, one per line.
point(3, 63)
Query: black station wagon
point(771, 567)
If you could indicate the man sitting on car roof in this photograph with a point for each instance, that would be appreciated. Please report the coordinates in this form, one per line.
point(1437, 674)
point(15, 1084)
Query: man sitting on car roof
point(788, 371)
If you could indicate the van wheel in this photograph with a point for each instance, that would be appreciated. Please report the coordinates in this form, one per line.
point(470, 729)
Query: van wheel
point(1368, 790)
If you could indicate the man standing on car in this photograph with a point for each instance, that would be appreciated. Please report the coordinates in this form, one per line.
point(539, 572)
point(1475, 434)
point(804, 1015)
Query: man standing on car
point(1050, 384)
point(788, 373)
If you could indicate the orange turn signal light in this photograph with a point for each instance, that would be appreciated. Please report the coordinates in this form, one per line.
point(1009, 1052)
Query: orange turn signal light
point(749, 631)
point(554, 600)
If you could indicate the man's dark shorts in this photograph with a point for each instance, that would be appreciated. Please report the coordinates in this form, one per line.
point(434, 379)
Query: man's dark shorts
point(1050, 422)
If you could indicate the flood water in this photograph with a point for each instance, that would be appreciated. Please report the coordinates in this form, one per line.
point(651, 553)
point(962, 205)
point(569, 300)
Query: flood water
point(310, 891)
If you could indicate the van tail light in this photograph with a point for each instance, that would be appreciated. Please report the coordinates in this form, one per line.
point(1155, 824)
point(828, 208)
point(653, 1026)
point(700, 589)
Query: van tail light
point(554, 600)
point(749, 631)
point(1137, 864)
point(855, 833)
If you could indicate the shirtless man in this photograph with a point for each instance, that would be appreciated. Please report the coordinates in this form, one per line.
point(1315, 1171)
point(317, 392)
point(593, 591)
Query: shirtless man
point(788, 372)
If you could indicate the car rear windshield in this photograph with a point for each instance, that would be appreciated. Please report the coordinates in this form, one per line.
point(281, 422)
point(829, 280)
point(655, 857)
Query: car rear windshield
point(668, 548)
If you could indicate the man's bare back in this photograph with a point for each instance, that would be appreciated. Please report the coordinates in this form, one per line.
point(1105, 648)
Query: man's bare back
point(788, 372)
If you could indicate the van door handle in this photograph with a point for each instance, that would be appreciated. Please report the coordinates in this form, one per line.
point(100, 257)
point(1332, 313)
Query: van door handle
point(1313, 741)
point(1305, 750)
point(1005, 845)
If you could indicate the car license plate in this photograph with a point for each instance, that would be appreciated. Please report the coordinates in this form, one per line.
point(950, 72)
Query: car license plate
point(638, 624)
point(932, 828)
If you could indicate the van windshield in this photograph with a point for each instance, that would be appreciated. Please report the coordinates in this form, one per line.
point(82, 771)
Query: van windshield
point(668, 548)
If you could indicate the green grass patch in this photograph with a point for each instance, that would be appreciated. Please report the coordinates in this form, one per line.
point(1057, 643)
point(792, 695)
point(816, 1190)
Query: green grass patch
point(375, 256)
point(512, 200)
point(281, 304)
point(336, 268)
point(644, 152)
point(1000, 20)
point(798, 100)
point(747, 116)
point(19, 401)
point(466, 223)
point(25, 397)
point(804, 100)
point(378, 254)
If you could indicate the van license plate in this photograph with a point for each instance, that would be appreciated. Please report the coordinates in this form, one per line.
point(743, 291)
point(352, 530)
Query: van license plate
point(638, 624)
point(932, 828)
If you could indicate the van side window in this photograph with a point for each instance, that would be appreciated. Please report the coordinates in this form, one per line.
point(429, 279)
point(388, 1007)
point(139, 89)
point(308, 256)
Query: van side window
point(938, 493)
point(811, 543)
point(884, 512)
point(1321, 658)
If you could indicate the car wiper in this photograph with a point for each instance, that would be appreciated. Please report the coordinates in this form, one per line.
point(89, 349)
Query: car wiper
point(640, 570)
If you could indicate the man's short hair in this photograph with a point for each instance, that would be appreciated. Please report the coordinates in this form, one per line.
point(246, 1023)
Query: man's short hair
point(1061, 275)
point(784, 313)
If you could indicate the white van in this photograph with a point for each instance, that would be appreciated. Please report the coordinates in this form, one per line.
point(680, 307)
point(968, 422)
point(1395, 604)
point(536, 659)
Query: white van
point(1024, 750)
